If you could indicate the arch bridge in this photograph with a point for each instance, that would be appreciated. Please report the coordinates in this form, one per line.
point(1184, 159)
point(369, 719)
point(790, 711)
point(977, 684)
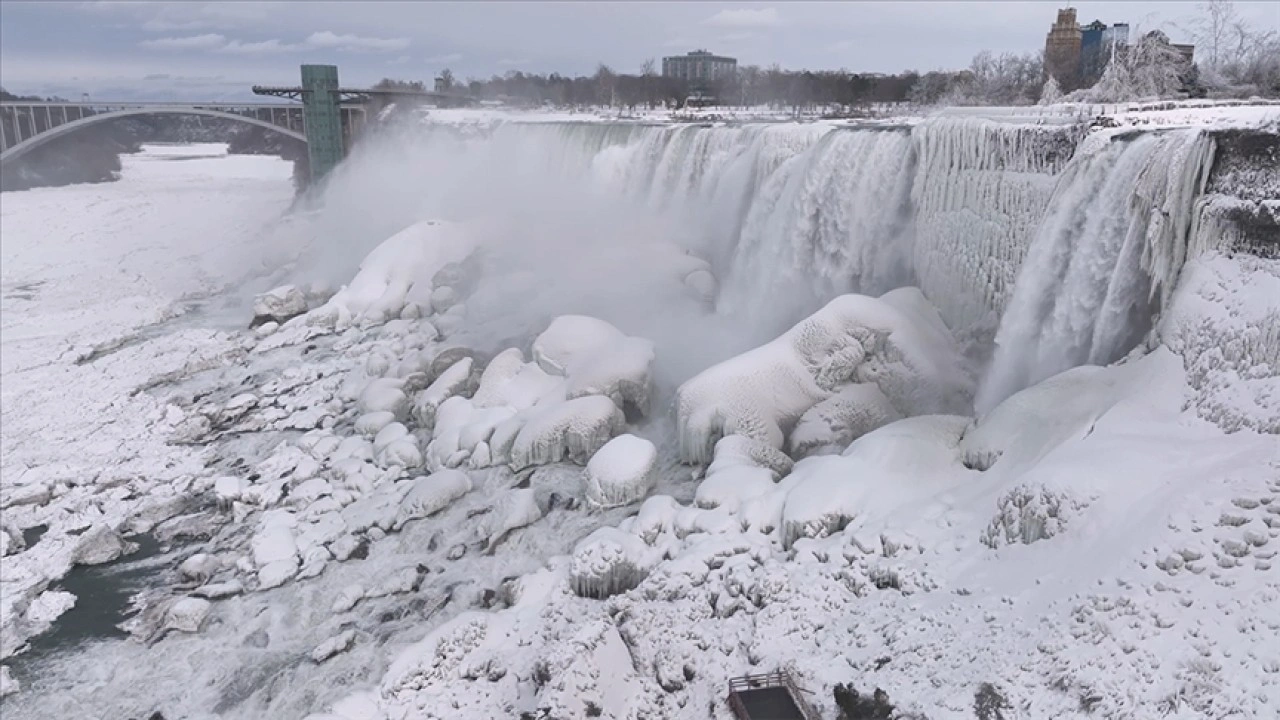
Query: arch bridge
point(325, 116)
point(25, 126)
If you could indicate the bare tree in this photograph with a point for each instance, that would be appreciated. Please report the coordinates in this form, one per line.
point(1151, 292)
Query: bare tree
point(446, 79)
point(606, 84)
point(1214, 29)
point(649, 71)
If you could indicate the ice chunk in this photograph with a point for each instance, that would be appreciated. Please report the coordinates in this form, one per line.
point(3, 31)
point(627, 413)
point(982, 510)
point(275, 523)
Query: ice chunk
point(279, 304)
point(515, 510)
point(404, 580)
point(572, 430)
point(347, 598)
point(370, 424)
point(100, 545)
point(49, 606)
point(453, 381)
point(214, 591)
point(431, 494)
point(8, 685)
point(621, 472)
point(597, 359)
point(387, 276)
point(896, 342)
point(339, 643)
point(274, 549)
point(187, 615)
point(508, 380)
point(832, 424)
point(607, 562)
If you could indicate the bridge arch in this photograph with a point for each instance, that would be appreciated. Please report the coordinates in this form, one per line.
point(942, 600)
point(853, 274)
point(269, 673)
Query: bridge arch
point(57, 131)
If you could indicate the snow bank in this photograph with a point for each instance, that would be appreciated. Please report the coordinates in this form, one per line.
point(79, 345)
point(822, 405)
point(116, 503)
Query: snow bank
point(895, 342)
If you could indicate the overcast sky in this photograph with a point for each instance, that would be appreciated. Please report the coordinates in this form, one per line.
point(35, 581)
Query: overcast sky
point(123, 50)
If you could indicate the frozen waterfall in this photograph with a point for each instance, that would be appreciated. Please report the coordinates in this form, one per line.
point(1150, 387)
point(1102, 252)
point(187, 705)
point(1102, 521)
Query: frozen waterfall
point(1004, 223)
point(1112, 242)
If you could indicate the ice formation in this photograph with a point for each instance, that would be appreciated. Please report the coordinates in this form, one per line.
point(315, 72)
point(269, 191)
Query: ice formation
point(396, 273)
point(621, 472)
point(895, 542)
point(597, 359)
point(1111, 245)
point(279, 305)
point(895, 342)
point(573, 430)
point(431, 494)
point(832, 424)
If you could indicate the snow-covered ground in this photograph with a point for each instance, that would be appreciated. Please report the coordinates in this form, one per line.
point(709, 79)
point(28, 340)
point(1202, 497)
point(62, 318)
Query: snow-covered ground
point(454, 488)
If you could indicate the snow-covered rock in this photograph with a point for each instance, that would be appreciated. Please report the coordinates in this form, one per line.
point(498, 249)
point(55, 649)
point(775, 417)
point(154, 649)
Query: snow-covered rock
point(339, 643)
point(895, 342)
point(621, 472)
point(516, 509)
point(8, 684)
point(187, 615)
point(829, 426)
point(279, 305)
point(597, 359)
point(398, 271)
point(573, 430)
point(607, 562)
point(453, 381)
point(430, 494)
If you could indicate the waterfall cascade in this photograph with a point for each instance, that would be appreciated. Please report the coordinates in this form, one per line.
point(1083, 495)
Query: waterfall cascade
point(1109, 248)
point(1068, 247)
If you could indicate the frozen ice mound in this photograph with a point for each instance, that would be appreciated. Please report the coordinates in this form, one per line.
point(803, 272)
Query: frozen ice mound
point(395, 273)
point(597, 359)
point(621, 472)
point(431, 494)
point(896, 342)
point(279, 305)
point(563, 406)
point(742, 470)
point(607, 562)
point(885, 476)
point(829, 427)
point(573, 430)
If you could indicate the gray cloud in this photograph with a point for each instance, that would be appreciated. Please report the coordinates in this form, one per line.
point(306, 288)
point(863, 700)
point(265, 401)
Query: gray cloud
point(328, 39)
point(745, 18)
point(192, 42)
